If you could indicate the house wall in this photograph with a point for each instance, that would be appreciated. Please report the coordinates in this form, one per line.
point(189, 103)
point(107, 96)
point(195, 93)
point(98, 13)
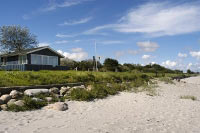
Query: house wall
point(11, 60)
point(43, 52)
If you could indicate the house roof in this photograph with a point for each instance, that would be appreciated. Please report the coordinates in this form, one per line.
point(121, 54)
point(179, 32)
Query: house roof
point(29, 51)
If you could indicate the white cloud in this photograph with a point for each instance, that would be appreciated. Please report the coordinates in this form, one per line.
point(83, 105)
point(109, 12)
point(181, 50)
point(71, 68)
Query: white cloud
point(61, 42)
point(65, 35)
point(95, 31)
point(148, 46)
point(67, 3)
point(189, 65)
point(75, 54)
point(133, 52)
point(111, 42)
point(195, 54)
point(76, 49)
point(169, 64)
point(145, 57)
point(53, 5)
point(182, 55)
point(43, 44)
point(77, 41)
point(81, 21)
point(158, 19)
point(118, 54)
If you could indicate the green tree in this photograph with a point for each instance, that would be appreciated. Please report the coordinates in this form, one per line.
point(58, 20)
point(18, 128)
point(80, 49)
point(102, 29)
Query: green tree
point(190, 72)
point(16, 38)
point(68, 62)
point(110, 64)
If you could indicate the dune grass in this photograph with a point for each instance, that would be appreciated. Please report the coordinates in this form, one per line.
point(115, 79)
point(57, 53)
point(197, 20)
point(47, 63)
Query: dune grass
point(18, 78)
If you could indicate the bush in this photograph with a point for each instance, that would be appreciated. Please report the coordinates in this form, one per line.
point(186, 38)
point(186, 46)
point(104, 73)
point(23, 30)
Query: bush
point(99, 91)
point(80, 94)
point(29, 104)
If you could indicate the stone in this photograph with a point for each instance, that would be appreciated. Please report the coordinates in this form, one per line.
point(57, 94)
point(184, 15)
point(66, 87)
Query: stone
point(19, 103)
point(36, 99)
point(54, 90)
point(4, 107)
point(81, 87)
point(1, 101)
point(56, 95)
point(64, 90)
point(49, 99)
point(59, 106)
point(89, 88)
point(33, 92)
point(11, 101)
point(15, 94)
point(5, 98)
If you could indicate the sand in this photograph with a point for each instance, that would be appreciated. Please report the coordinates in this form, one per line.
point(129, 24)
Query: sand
point(123, 113)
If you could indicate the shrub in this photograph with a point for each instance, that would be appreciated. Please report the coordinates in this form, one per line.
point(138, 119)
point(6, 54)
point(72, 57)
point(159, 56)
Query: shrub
point(99, 91)
point(166, 80)
point(29, 104)
point(80, 94)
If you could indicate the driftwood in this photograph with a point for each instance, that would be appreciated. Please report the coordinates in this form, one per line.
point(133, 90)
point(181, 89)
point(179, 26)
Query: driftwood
point(7, 90)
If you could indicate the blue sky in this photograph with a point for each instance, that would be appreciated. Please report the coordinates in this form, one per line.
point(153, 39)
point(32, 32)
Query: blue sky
point(132, 31)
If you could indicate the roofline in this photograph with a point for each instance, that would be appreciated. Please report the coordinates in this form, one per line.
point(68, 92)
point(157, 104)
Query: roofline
point(45, 48)
point(7, 54)
point(40, 48)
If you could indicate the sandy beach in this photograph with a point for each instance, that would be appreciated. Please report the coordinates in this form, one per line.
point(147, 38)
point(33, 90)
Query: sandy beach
point(123, 113)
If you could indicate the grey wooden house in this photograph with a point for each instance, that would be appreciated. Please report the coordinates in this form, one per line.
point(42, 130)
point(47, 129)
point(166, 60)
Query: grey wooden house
point(41, 58)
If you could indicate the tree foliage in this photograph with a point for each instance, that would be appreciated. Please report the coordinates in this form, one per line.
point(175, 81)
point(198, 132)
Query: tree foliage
point(110, 64)
point(16, 38)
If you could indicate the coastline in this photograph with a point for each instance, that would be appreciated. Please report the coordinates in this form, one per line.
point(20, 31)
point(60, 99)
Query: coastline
point(125, 112)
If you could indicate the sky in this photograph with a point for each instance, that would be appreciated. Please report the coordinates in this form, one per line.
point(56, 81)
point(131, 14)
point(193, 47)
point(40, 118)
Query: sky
point(164, 32)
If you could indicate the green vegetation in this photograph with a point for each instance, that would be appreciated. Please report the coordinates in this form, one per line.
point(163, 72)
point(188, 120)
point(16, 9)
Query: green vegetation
point(29, 104)
point(103, 90)
point(18, 78)
point(16, 38)
point(166, 80)
point(189, 97)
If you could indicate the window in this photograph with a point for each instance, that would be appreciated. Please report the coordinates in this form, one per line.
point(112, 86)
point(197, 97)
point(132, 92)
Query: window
point(44, 60)
point(22, 59)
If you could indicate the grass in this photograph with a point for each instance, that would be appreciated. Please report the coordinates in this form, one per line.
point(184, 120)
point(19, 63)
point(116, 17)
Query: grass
point(100, 91)
point(103, 84)
point(19, 78)
point(189, 97)
point(166, 80)
point(29, 104)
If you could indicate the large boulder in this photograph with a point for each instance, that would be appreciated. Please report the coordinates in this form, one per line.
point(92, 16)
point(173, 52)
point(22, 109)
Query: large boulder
point(37, 99)
point(64, 90)
point(4, 107)
point(1, 101)
point(54, 90)
point(11, 101)
point(89, 88)
point(59, 106)
point(15, 94)
point(49, 99)
point(19, 103)
point(79, 87)
point(5, 98)
point(33, 92)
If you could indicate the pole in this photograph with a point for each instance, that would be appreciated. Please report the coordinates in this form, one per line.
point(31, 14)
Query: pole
point(96, 55)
